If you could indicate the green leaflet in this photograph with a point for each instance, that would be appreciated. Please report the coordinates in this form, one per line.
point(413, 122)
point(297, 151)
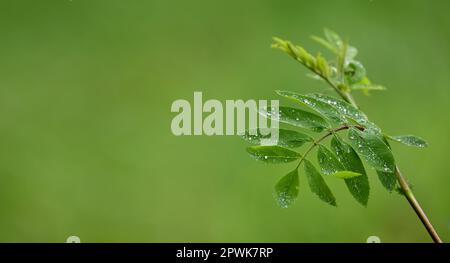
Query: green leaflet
point(282, 45)
point(351, 53)
point(333, 38)
point(322, 66)
point(286, 138)
point(296, 52)
point(367, 87)
point(388, 180)
point(334, 43)
point(346, 174)
point(323, 108)
point(342, 60)
point(345, 109)
point(286, 189)
point(328, 162)
point(358, 186)
point(355, 72)
point(325, 44)
point(297, 117)
point(341, 106)
point(317, 184)
point(331, 165)
point(373, 149)
point(409, 140)
point(302, 55)
point(273, 154)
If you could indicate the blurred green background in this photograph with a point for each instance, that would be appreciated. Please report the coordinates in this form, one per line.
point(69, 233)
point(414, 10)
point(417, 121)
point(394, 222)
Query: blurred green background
point(85, 143)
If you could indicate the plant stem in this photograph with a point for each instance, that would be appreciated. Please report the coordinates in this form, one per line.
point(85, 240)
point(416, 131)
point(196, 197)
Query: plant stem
point(415, 204)
point(405, 188)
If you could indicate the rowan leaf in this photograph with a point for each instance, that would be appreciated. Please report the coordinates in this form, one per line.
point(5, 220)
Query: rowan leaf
point(328, 162)
point(322, 66)
point(320, 107)
point(409, 140)
point(358, 186)
point(325, 44)
point(273, 154)
point(388, 180)
point(351, 53)
point(286, 138)
point(369, 145)
point(287, 188)
point(367, 87)
point(317, 184)
point(331, 165)
point(296, 117)
point(355, 72)
point(345, 109)
point(333, 38)
point(346, 174)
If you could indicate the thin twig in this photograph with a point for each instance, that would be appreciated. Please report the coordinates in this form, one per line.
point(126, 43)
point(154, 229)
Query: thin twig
point(407, 191)
point(416, 206)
